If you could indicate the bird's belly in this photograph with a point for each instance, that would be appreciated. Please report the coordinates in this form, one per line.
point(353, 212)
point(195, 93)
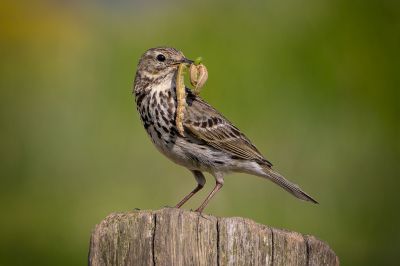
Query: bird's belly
point(178, 150)
point(196, 156)
point(173, 151)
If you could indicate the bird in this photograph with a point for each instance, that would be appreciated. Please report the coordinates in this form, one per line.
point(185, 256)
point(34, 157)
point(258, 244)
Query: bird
point(210, 143)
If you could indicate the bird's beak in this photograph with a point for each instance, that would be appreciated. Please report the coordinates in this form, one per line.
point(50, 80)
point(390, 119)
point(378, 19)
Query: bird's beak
point(187, 61)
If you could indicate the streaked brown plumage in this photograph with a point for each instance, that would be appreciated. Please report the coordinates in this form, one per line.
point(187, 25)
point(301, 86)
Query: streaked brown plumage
point(211, 143)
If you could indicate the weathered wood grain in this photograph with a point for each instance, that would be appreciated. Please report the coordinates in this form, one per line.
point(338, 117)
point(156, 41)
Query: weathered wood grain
point(185, 238)
point(177, 237)
point(290, 248)
point(244, 242)
point(320, 253)
point(123, 239)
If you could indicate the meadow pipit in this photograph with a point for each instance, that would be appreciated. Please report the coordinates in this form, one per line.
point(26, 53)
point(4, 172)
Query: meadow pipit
point(210, 144)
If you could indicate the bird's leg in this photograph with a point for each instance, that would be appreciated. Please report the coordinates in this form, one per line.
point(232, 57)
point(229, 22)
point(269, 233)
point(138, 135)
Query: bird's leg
point(218, 185)
point(201, 180)
point(188, 196)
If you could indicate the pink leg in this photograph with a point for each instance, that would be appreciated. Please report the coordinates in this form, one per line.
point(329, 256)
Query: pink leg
point(217, 187)
point(188, 196)
point(200, 180)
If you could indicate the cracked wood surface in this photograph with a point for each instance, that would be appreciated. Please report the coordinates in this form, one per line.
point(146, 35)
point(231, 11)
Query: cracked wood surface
point(177, 237)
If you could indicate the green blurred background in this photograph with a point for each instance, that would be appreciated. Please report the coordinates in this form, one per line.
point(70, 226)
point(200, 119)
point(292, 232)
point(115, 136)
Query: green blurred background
point(314, 84)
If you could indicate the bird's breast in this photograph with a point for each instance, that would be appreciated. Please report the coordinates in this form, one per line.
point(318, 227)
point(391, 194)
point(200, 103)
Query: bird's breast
point(157, 107)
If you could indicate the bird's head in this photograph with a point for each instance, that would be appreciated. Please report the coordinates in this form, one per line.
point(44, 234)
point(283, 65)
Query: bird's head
point(161, 61)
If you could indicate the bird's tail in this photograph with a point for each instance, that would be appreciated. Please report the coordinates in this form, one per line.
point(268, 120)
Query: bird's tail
point(294, 189)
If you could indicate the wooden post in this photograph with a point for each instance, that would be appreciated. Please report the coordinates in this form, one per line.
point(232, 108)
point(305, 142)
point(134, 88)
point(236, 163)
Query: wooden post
point(177, 237)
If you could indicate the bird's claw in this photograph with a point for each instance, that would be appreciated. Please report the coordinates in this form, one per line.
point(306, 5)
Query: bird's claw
point(200, 213)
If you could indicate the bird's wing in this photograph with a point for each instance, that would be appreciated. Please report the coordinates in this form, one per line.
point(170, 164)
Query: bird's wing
point(207, 124)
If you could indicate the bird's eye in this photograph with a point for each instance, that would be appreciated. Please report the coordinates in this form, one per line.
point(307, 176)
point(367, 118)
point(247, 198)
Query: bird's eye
point(161, 57)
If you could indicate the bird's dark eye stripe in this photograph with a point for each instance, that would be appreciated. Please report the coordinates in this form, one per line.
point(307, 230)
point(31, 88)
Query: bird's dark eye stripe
point(161, 57)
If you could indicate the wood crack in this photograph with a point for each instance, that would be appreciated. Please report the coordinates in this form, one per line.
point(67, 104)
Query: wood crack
point(307, 250)
point(218, 244)
point(273, 247)
point(154, 240)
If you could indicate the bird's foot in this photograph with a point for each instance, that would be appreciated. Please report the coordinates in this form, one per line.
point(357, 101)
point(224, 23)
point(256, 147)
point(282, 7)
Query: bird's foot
point(204, 217)
point(200, 212)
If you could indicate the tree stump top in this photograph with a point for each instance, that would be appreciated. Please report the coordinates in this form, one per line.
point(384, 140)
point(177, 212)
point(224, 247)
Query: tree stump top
point(177, 237)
